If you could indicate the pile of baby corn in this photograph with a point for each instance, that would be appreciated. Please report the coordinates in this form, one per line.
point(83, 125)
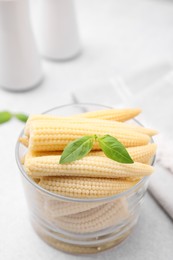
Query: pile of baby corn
point(95, 175)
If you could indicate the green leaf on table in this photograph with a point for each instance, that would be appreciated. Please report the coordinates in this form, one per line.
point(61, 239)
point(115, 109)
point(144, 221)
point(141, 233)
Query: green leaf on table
point(5, 116)
point(77, 149)
point(113, 149)
point(21, 117)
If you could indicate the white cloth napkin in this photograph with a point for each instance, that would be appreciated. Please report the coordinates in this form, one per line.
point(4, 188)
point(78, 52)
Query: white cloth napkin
point(161, 182)
point(154, 94)
point(161, 188)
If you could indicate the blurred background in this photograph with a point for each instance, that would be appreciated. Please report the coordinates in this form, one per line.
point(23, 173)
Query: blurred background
point(117, 38)
point(115, 53)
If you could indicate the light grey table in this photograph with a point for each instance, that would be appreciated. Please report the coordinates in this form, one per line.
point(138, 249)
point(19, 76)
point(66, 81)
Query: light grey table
point(118, 37)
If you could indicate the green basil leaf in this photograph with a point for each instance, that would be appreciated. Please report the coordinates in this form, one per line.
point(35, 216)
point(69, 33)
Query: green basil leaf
point(5, 116)
point(77, 149)
point(114, 150)
point(21, 117)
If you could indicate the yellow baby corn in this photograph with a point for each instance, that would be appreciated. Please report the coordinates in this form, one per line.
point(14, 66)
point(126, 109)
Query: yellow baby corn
point(95, 219)
point(142, 154)
point(85, 187)
point(54, 136)
point(45, 153)
point(96, 212)
point(91, 166)
point(24, 141)
point(97, 123)
point(56, 208)
point(31, 154)
point(35, 179)
point(112, 114)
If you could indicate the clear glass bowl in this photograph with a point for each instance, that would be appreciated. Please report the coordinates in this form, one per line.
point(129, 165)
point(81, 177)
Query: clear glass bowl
point(81, 226)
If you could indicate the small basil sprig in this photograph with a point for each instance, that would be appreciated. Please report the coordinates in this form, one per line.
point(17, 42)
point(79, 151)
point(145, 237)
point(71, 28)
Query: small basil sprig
point(114, 150)
point(77, 149)
point(6, 116)
point(111, 147)
point(21, 117)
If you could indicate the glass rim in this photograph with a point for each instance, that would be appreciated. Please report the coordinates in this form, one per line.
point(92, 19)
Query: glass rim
point(70, 199)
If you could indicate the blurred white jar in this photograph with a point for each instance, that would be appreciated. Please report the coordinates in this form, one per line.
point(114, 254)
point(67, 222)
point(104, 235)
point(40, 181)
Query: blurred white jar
point(19, 60)
point(56, 30)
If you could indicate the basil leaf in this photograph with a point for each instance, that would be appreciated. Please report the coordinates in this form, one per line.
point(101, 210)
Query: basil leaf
point(5, 116)
point(21, 117)
point(77, 149)
point(114, 150)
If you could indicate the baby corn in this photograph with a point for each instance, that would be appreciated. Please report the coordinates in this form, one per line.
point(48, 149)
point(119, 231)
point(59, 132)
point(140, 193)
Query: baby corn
point(120, 115)
point(142, 154)
point(24, 141)
point(56, 208)
point(85, 187)
point(112, 114)
point(93, 220)
point(97, 123)
point(54, 136)
point(91, 166)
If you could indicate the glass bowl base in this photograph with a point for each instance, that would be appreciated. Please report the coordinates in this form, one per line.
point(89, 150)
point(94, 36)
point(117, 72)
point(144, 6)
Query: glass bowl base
point(76, 249)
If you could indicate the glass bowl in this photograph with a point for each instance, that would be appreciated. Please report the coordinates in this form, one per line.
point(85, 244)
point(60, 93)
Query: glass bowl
point(81, 226)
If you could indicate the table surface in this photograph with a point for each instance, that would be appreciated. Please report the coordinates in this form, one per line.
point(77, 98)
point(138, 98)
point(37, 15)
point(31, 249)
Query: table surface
point(118, 38)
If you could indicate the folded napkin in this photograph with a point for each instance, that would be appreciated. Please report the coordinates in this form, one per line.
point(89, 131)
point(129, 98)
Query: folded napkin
point(161, 188)
point(155, 96)
point(161, 182)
